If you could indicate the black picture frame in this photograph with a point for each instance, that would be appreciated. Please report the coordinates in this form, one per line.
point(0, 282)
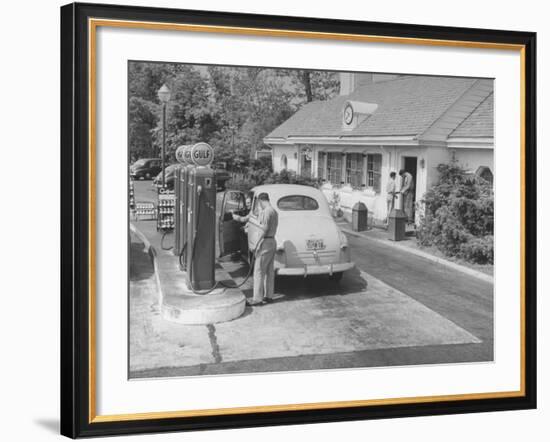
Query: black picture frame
point(76, 403)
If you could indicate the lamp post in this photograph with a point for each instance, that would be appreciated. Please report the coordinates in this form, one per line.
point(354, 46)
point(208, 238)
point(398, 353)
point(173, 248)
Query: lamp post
point(164, 96)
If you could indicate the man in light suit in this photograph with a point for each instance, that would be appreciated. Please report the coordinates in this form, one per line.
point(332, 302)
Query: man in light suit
point(264, 265)
point(390, 195)
point(407, 190)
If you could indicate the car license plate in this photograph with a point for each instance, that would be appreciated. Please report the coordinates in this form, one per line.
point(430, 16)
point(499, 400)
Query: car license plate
point(315, 244)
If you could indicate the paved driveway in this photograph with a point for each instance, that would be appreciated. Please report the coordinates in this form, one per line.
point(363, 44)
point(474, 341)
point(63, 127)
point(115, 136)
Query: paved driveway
point(393, 309)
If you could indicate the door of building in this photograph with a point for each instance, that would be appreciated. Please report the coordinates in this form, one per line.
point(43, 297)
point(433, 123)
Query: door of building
point(410, 165)
point(305, 166)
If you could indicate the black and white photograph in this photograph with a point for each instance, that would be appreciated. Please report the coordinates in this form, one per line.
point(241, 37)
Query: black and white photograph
point(275, 221)
point(284, 220)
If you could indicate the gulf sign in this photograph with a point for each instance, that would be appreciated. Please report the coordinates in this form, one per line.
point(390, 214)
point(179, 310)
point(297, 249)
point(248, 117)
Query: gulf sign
point(202, 154)
point(183, 154)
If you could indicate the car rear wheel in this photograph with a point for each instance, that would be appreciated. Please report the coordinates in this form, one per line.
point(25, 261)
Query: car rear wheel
point(147, 176)
point(336, 276)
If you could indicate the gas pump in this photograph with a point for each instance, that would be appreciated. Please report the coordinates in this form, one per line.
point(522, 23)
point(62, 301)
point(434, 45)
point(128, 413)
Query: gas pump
point(183, 155)
point(201, 219)
point(196, 219)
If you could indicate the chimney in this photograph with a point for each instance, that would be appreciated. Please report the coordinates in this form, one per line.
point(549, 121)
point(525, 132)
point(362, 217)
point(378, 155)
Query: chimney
point(349, 81)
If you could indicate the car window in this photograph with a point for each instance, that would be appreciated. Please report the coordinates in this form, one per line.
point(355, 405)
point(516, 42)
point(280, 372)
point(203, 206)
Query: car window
point(248, 200)
point(234, 201)
point(255, 207)
point(297, 202)
point(139, 163)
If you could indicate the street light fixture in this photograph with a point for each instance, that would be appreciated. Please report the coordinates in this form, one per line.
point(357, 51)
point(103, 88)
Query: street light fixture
point(164, 97)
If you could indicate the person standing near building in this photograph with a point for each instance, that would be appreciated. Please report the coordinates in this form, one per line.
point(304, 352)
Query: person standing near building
point(264, 263)
point(407, 190)
point(390, 194)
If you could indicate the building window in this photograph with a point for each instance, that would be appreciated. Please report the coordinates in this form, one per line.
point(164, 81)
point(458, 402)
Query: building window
point(321, 165)
point(334, 167)
point(354, 169)
point(284, 162)
point(374, 166)
point(297, 202)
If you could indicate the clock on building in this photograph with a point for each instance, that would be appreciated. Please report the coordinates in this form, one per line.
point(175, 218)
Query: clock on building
point(348, 114)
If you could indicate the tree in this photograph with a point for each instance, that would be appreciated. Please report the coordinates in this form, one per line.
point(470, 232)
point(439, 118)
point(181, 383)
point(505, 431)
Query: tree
point(188, 113)
point(144, 80)
point(142, 120)
point(231, 108)
point(314, 85)
point(250, 103)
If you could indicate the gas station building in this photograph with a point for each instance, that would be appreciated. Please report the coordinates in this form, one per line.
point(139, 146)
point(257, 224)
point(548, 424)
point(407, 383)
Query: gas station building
point(381, 123)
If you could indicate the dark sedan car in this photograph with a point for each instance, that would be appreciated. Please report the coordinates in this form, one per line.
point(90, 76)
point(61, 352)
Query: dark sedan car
point(222, 176)
point(169, 176)
point(145, 168)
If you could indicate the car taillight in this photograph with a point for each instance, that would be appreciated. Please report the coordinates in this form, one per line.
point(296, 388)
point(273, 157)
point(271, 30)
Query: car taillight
point(345, 255)
point(343, 239)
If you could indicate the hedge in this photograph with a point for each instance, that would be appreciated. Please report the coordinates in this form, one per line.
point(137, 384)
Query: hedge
point(457, 215)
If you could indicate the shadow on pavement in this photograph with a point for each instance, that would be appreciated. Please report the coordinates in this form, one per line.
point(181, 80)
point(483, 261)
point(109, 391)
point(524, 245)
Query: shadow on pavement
point(141, 264)
point(297, 287)
point(293, 288)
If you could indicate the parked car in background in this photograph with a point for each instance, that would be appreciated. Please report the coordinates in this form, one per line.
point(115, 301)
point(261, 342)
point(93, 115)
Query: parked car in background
point(308, 240)
point(222, 176)
point(145, 168)
point(169, 176)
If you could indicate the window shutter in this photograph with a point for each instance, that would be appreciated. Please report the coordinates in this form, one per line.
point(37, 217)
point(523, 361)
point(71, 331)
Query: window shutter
point(377, 169)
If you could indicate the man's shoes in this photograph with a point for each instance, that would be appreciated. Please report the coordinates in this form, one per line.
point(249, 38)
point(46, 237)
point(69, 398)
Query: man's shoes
point(273, 298)
point(254, 303)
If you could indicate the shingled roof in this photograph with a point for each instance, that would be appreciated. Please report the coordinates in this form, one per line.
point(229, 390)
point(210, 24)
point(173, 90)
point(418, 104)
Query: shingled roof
point(479, 124)
point(408, 105)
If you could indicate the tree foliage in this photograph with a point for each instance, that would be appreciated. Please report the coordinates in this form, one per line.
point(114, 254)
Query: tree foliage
point(290, 177)
point(457, 215)
point(231, 108)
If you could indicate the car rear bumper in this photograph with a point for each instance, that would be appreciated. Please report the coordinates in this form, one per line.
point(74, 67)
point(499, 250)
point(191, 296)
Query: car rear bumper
point(306, 270)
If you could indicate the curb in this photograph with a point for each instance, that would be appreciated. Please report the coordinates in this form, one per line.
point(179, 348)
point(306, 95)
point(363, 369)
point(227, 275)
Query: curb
point(187, 307)
point(153, 255)
point(141, 236)
point(468, 271)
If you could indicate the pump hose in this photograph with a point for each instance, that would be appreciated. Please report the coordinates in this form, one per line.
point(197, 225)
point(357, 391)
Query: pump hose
point(181, 255)
point(250, 268)
point(218, 283)
point(166, 232)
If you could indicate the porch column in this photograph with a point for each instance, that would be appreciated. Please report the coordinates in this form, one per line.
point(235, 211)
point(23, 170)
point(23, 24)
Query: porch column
point(344, 158)
point(364, 177)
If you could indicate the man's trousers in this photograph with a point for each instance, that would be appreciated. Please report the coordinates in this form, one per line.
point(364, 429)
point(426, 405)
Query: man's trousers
point(264, 270)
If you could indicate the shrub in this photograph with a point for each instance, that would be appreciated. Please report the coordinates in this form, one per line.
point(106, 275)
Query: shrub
point(290, 177)
point(242, 184)
point(260, 170)
point(478, 249)
point(257, 178)
point(457, 215)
